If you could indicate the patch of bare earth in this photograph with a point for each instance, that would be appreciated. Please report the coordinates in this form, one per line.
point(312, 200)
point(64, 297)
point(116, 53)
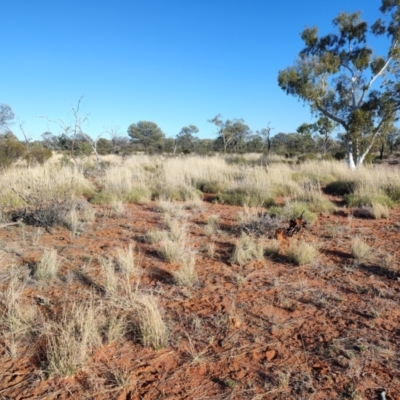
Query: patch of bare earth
point(264, 330)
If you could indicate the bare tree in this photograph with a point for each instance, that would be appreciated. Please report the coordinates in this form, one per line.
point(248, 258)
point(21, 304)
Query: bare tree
point(265, 136)
point(26, 139)
point(75, 131)
point(114, 131)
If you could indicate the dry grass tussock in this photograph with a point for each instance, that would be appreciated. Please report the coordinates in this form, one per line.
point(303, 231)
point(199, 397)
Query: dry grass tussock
point(18, 320)
point(360, 249)
point(70, 339)
point(139, 178)
point(47, 267)
point(186, 274)
point(45, 183)
point(301, 252)
point(247, 249)
point(125, 260)
point(152, 328)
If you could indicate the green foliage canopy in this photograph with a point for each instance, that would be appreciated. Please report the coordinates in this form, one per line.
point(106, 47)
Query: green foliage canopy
point(335, 75)
point(147, 134)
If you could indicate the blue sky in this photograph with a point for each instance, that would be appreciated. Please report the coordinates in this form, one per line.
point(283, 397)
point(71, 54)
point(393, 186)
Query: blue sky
point(173, 62)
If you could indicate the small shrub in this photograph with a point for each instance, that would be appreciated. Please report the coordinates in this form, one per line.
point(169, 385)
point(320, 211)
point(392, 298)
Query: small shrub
point(375, 211)
point(11, 150)
point(340, 155)
point(38, 155)
point(340, 188)
point(45, 213)
point(245, 196)
point(320, 205)
point(137, 196)
point(287, 189)
point(328, 157)
point(103, 197)
point(247, 249)
point(210, 186)
point(359, 200)
point(393, 191)
point(176, 193)
point(238, 160)
point(363, 212)
point(261, 224)
point(301, 252)
point(306, 157)
point(293, 210)
point(360, 250)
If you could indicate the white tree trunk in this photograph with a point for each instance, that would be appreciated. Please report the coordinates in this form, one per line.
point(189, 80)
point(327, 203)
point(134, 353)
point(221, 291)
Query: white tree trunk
point(350, 159)
point(359, 158)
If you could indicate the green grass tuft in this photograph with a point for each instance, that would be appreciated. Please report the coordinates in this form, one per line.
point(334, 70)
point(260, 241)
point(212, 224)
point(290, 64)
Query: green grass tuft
point(357, 200)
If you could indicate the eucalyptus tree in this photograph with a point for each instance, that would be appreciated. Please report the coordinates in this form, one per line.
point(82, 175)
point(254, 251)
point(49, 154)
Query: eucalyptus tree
point(186, 139)
point(393, 139)
point(323, 127)
point(339, 76)
point(232, 133)
point(148, 134)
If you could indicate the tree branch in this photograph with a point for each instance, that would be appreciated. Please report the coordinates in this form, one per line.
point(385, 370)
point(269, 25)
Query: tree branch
point(373, 78)
point(331, 116)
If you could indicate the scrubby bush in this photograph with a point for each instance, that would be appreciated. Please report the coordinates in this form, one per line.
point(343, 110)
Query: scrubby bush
point(210, 186)
point(306, 157)
point(393, 191)
point(359, 200)
point(328, 157)
point(103, 197)
point(340, 188)
point(340, 155)
point(11, 150)
point(240, 160)
point(38, 154)
point(176, 193)
point(245, 196)
point(295, 209)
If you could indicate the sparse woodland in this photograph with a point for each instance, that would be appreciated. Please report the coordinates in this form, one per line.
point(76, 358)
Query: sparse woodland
point(253, 265)
point(199, 277)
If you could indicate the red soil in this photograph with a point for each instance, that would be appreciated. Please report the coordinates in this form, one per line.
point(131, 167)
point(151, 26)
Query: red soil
point(266, 330)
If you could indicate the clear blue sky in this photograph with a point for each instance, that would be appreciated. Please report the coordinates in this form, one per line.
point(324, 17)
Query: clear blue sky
point(173, 62)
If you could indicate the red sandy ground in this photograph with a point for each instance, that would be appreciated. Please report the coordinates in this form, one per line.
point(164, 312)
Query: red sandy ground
point(267, 330)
